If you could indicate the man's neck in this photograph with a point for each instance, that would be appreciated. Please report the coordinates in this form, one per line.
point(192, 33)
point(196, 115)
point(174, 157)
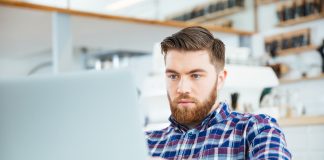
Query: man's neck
point(215, 106)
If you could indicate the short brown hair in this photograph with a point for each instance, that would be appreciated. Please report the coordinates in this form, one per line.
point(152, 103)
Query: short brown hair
point(193, 39)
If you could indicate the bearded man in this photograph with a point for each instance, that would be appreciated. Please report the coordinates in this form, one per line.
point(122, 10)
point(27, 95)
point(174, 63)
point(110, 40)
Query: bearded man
point(201, 127)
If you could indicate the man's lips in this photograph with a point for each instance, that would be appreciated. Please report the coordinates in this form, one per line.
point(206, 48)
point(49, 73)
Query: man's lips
point(185, 101)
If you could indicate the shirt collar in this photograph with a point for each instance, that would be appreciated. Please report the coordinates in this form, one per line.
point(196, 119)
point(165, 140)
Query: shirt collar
point(218, 115)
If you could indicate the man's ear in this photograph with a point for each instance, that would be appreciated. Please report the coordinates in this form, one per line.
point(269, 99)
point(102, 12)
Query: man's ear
point(221, 79)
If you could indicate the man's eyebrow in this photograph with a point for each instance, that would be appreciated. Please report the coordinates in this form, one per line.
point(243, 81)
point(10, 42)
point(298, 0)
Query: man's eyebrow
point(196, 70)
point(190, 72)
point(170, 71)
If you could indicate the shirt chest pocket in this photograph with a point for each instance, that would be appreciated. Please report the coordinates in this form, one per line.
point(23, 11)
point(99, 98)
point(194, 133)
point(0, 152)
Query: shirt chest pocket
point(232, 146)
point(223, 151)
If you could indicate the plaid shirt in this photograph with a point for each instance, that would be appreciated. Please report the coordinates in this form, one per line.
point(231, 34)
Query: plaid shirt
point(221, 135)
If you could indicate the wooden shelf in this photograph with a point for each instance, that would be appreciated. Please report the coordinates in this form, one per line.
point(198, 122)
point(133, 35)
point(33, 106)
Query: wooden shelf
point(216, 15)
point(301, 121)
point(121, 18)
point(287, 81)
point(296, 50)
point(300, 20)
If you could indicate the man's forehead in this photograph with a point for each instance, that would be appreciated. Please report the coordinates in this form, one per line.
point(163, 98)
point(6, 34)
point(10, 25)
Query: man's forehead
point(176, 56)
point(188, 62)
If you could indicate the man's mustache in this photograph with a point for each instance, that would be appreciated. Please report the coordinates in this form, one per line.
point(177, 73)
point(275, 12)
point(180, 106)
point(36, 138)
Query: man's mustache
point(185, 96)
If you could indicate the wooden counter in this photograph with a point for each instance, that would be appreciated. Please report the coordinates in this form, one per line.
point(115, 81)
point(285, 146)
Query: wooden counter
point(301, 121)
point(303, 79)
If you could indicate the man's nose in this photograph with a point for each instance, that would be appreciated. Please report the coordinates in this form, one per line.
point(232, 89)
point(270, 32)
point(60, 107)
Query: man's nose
point(184, 86)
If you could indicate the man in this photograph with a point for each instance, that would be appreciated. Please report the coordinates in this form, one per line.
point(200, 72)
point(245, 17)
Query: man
point(201, 127)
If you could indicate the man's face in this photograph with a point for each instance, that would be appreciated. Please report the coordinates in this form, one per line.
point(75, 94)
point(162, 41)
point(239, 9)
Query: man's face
point(191, 85)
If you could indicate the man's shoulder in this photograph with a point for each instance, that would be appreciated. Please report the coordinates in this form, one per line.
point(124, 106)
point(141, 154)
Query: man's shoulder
point(261, 130)
point(252, 122)
point(250, 118)
point(255, 124)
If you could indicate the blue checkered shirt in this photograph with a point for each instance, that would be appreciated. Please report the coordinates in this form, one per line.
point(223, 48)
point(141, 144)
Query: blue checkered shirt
point(221, 135)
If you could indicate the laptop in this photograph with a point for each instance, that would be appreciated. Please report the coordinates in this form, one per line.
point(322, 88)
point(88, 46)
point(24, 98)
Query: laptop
point(79, 116)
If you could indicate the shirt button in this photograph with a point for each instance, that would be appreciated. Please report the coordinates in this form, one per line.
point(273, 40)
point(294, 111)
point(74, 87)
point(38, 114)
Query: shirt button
point(191, 135)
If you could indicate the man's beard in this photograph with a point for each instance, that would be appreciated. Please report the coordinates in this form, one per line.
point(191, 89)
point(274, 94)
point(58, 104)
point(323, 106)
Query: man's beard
point(192, 115)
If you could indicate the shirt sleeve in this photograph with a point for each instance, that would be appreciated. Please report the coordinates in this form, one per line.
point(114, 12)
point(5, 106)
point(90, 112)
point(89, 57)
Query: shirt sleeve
point(265, 139)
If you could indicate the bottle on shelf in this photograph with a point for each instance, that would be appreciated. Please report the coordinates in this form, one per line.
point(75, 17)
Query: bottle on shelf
point(280, 14)
point(285, 41)
point(300, 10)
point(289, 11)
point(321, 52)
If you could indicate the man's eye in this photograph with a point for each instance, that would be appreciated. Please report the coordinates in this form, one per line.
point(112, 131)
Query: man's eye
point(173, 77)
point(196, 76)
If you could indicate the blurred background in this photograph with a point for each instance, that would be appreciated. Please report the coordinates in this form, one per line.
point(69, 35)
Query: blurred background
point(274, 52)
